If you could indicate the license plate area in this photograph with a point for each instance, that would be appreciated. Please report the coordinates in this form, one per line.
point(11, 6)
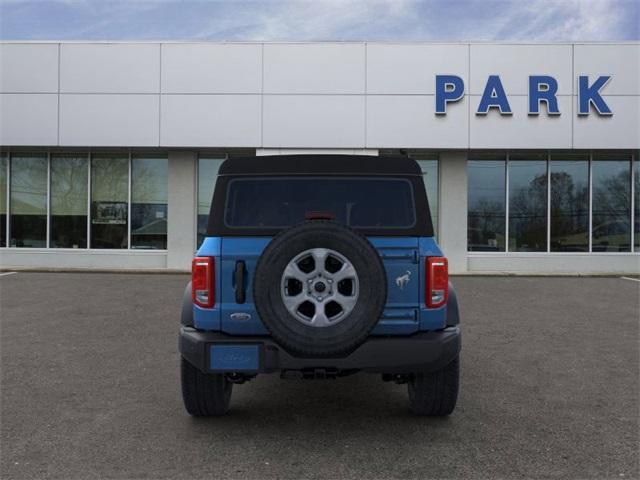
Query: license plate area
point(234, 358)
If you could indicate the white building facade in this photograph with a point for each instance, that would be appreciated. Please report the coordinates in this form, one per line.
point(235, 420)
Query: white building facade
point(109, 151)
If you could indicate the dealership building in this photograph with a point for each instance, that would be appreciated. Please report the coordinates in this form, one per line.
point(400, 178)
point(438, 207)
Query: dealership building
point(109, 151)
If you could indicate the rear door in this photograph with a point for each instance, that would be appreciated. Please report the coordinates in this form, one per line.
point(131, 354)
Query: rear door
point(390, 205)
point(240, 256)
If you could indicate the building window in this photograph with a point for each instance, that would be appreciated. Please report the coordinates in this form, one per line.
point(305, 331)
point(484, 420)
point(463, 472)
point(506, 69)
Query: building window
point(28, 204)
point(207, 174)
point(580, 202)
point(569, 210)
point(68, 208)
point(76, 200)
point(149, 197)
point(487, 205)
point(611, 214)
point(4, 165)
point(527, 203)
point(430, 176)
point(109, 197)
point(636, 203)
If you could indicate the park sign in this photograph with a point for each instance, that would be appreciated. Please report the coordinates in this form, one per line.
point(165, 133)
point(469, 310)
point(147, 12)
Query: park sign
point(542, 89)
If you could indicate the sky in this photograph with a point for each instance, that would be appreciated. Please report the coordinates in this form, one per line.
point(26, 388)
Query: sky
point(321, 20)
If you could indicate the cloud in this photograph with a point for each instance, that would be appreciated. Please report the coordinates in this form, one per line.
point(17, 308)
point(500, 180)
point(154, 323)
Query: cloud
point(577, 20)
point(330, 20)
point(453, 20)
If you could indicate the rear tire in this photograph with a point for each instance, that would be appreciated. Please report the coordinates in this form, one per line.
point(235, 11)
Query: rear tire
point(435, 394)
point(204, 395)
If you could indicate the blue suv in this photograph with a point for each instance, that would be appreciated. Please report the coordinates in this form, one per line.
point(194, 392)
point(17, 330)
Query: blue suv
point(319, 266)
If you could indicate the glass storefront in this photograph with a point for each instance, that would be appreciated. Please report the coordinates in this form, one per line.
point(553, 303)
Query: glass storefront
point(611, 184)
point(517, 201)
point(80, 200)
point(527, 177)
point(580, 202)
point(636, 203)
point(68, 210)
point(149, 197)
point(28, 202)
point(4, 165)
point(109, 201)
point(569, 210)
point(486, 204)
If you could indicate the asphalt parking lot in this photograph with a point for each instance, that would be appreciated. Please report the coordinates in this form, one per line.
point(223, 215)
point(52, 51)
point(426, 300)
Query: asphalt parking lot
point(90, 389)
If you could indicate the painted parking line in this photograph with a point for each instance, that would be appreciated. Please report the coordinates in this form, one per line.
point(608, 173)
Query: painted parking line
point(632, 279)
point(7, 273)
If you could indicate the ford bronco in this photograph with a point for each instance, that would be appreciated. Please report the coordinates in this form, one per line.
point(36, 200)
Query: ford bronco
point(319, 266)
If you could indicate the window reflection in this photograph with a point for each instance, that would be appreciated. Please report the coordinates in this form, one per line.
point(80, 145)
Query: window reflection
point(569, 203)
point(28, 201)
point(149, 196)
point(611, 230)
point(527, 203)
point(109, 193)
point(3, 200)
point(69, 201)
point(486, 205)
point(207, 174)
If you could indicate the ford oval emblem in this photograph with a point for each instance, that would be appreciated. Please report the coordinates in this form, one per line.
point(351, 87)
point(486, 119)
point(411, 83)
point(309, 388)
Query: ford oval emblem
point(240, 316)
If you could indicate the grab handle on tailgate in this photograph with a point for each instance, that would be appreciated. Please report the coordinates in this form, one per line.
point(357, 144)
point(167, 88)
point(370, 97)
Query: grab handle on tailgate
point(239, 279)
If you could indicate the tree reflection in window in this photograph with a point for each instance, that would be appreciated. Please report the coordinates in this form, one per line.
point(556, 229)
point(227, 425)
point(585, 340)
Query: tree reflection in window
point(528, 203)
point(109, 194)
point(611, 231)
point(4, 161)
point(149, 196)
point(486, 205)
point(569, 203)
point(636, 202)
point(28, 205)
point(68, 201)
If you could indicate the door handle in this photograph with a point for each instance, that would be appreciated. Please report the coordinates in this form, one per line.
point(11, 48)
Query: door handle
point(239, 280)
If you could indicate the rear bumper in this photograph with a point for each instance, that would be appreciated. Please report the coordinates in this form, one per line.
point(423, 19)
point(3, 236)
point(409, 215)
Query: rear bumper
point(424, 351)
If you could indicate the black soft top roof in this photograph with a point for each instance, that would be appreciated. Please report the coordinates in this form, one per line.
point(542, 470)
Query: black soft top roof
point(320, 164)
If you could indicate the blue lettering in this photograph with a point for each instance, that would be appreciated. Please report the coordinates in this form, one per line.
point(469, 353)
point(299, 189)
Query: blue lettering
point(538, 94)
point(590, 95)
point(449, 88)
point(494, 97)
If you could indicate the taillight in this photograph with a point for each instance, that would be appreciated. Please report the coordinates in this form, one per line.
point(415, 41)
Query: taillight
point(203, 281)
point(437, 272)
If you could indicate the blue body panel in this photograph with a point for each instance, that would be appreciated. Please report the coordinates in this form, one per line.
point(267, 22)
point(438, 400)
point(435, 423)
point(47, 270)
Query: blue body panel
point(249, 250)
point(403, 257)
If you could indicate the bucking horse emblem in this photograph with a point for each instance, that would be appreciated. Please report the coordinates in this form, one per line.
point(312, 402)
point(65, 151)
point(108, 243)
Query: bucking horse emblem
point(402, 280)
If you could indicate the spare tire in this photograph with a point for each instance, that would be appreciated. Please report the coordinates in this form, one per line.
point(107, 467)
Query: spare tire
point(320, 289)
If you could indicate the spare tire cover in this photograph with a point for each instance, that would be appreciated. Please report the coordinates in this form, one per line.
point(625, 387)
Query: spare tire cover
point(320, 289)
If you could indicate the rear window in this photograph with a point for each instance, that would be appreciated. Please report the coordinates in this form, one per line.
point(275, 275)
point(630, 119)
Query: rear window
point(365, 203)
